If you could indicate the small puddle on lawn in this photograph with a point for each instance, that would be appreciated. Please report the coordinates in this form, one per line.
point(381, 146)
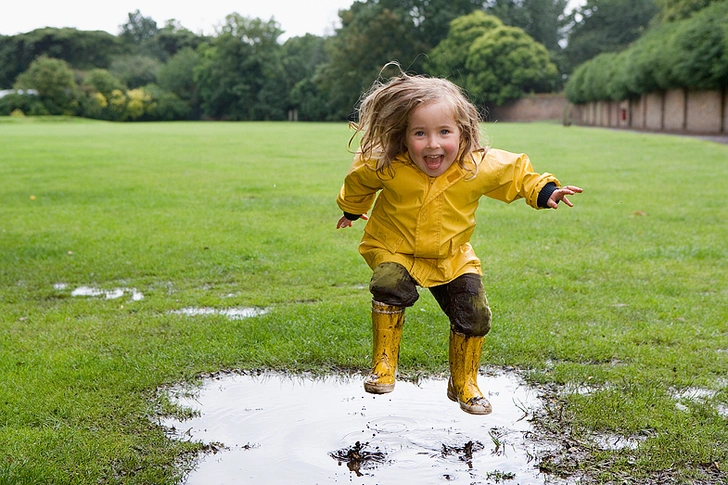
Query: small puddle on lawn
point(232, 313)
point(282, 429)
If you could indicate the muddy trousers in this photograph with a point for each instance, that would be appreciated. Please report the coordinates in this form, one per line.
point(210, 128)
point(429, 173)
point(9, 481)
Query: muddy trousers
point(463, 300)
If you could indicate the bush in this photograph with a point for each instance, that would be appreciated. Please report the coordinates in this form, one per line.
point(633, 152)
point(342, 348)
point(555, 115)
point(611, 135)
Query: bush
point(647, 63)
point(102, 81)
point(691, 53)
point(29, 104)
point(701, 49)
point(55, 83)
point(165, 105)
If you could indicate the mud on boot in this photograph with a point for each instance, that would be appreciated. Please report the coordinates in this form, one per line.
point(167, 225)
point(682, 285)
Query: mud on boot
point(464, 364)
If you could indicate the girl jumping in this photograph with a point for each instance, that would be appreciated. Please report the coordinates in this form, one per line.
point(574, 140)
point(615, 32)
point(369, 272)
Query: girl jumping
point(420, 152)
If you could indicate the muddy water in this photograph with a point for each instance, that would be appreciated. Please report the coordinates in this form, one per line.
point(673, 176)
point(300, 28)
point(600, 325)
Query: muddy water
point(278, 429)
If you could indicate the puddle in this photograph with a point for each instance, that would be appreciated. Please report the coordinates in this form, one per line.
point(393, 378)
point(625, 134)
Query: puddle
point(281, 429)
point(96, 292)
point(615, 442)
point(233, 313)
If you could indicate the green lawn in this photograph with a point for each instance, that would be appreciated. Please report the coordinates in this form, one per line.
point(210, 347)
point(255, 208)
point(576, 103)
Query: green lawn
point(620, 303)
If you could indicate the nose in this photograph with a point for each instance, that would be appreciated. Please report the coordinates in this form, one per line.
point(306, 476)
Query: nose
point(433, 142)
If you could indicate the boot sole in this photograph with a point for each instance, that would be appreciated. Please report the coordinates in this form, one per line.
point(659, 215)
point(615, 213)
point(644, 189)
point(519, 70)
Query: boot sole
point(378, 388)
point(480, 410)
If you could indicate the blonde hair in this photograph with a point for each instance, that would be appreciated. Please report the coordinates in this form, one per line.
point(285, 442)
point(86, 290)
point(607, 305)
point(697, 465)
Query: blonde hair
point(385, 110)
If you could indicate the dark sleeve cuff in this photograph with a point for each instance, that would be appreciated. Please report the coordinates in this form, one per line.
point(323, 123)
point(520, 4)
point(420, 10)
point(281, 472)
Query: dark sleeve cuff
point(353, 217)
point(545, 194)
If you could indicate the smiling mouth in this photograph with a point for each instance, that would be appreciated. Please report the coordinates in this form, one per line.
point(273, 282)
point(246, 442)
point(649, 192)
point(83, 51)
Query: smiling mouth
point(433, 162)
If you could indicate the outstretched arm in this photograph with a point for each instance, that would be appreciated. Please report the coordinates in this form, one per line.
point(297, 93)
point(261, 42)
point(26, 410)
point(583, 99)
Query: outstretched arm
point(561, 194)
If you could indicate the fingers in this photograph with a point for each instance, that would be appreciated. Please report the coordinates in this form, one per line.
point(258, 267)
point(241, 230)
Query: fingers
point(344, 222)
point(561, 194)
point(572, 189)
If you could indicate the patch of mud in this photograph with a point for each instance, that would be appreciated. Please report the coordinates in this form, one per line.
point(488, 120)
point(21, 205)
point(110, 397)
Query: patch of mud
point(358, 457)
point(232, 313)
point(280, 429)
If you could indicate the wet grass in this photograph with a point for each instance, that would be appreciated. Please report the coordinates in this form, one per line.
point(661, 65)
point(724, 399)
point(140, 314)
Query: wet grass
point(620, 304)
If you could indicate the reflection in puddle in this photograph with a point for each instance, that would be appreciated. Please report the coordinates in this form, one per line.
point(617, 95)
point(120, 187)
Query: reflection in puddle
point(280, 429)
point(233, 313)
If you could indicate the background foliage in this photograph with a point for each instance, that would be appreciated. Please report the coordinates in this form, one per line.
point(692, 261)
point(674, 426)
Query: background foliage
point(497, 50)
point(245, 72)
point(688, 53)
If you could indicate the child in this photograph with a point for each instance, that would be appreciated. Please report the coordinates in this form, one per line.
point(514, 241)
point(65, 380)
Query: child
point(420, 150)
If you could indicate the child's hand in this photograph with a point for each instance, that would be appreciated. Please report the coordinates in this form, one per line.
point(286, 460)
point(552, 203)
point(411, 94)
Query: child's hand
point(561, 193)
point(344, 222)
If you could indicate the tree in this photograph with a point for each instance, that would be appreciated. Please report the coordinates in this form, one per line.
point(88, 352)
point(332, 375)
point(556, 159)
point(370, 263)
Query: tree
point(55, 83)
point(173, 37)
point(81, 49)
point(672, 10)
point(505, 63)
point(137, 29)
point(493, 62)
point(370, 37)
point(135, 70)
point(449, 57)
point(376, 32)
point(605, 26)
point(302, 57)
point(431, 18)
point(544, 20)
point(240, 74)
point(177, 76)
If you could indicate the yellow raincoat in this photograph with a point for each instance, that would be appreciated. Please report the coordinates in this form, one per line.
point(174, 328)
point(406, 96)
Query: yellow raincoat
point(424, 223)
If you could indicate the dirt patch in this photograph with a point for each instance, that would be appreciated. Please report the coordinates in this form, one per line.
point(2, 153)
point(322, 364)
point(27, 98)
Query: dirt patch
point(359, 457)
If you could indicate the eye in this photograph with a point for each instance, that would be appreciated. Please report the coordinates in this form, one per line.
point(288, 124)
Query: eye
point(444, 131)
point(419, 133)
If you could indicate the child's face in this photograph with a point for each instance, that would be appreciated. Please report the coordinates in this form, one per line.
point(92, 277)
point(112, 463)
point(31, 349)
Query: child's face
point(433, 137)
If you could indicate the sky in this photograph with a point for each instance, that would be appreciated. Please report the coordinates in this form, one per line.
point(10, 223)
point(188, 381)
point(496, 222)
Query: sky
point(296, 17)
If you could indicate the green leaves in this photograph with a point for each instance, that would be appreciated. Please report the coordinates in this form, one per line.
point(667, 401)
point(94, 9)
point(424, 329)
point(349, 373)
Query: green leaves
point(691, 54)
point(54, 81)
point(493, 62)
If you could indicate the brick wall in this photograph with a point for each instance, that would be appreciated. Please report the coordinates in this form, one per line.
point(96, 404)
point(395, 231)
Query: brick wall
point(536, 107)
point(677, 111)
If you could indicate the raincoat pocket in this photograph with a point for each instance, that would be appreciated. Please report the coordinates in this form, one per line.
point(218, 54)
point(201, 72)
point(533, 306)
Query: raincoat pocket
point(389, 239)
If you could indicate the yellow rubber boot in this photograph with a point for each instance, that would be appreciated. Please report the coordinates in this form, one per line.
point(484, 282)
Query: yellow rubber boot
point(464, 364)
point(387, 321)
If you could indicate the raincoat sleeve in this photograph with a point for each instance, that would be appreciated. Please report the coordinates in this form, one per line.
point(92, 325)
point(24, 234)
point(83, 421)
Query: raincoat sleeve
point(511, 177)
point(360, 188)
